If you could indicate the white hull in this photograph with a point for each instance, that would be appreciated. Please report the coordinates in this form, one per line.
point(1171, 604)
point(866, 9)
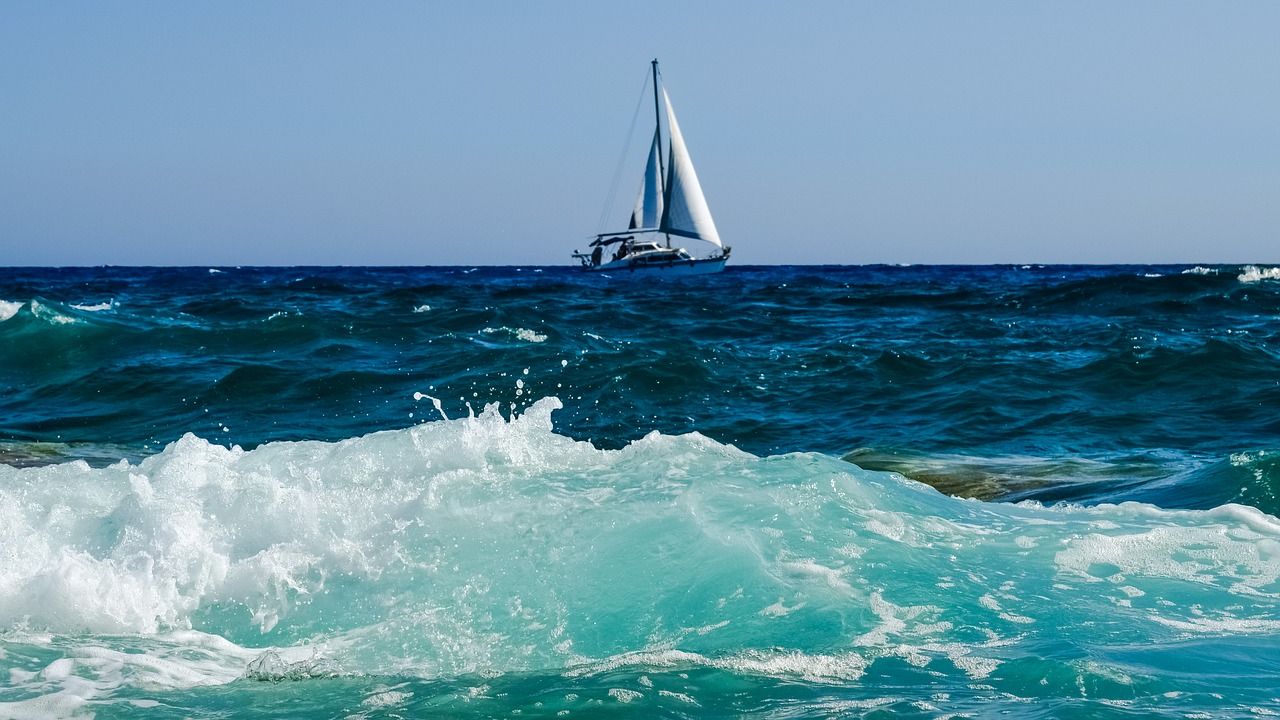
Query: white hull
point(698, 266)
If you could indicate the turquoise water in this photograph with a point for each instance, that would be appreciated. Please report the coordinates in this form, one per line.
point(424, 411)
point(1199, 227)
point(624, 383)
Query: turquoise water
point(233, 494)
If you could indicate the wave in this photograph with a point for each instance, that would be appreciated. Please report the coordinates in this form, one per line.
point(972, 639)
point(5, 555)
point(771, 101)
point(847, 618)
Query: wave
point(48, 313)
point(1044, 362)
point(96, 307)
point(492, 543)
point(9, 309)
point(999, 361)
point(1248, 478)
point(1253, 274)
point(43, 310)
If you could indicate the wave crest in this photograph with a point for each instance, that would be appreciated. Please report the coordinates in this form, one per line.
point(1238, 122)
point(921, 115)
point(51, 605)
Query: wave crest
point(492, 543)
point(1253, 274)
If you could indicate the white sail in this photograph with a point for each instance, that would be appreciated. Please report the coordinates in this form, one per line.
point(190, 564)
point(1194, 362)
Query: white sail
point(648, 209)
point(686, 211)
point(670, 205)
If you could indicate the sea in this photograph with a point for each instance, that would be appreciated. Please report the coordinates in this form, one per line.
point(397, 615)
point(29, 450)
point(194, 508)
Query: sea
point(528, 492)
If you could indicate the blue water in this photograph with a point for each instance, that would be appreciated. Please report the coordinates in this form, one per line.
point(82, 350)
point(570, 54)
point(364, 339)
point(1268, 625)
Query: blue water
point(775, 492)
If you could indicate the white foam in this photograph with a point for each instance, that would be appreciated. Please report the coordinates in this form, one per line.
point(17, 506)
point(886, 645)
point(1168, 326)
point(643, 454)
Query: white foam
point(624, 695)
point(682, 697)
point(1200, 270)
point(810, 570)
point(68, 685)
point(96, 308)
point(819, 668)
point(974, 666)
point(1253, 274)
point(208, 524)
point(480, 544)
point(845, 708)
point(520, 333)
point(48, 314)
point(1221, 626)
point(1205, 555)
point(9, 309)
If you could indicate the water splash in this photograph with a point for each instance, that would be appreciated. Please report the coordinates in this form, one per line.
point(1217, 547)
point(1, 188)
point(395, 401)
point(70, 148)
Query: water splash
point(494, 545)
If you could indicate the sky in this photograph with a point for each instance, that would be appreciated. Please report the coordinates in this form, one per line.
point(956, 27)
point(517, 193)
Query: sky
point(489, 133)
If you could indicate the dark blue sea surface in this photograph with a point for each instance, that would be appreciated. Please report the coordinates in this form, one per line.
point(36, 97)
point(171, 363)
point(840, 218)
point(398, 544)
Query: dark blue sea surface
point(926, 491)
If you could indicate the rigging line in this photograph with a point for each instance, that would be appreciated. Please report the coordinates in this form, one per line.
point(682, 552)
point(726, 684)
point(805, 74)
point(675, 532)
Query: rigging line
point(617, 174)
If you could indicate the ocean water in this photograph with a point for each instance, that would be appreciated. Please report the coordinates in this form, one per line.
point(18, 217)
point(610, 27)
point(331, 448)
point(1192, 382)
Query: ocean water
point(778, 492)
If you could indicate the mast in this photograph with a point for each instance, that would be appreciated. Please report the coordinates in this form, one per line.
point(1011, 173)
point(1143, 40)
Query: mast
point(657, 121)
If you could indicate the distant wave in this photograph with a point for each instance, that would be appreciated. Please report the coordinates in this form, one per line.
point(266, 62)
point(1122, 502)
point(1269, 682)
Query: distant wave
point(99, 307)
point(1001, 360)
point(50, 312)
point(1253, 274)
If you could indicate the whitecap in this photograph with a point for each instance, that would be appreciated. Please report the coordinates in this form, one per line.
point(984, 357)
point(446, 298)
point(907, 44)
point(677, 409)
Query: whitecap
point(9, 309)
point(96, 308)
point(520, 333)
point(44, 312)
point(1253, 274)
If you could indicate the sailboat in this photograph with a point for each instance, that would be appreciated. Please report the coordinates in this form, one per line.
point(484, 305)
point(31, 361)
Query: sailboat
point(670, 204)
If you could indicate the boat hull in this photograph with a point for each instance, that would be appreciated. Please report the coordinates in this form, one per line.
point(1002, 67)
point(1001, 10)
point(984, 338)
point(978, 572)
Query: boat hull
point(696, 266)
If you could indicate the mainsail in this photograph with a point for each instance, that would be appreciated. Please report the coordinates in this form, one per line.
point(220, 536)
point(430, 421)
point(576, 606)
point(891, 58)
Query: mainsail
point(648, 209)
point(686, 213)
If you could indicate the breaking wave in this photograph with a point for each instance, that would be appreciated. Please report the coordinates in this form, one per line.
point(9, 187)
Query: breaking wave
point(491, 545)
point(1253, 274)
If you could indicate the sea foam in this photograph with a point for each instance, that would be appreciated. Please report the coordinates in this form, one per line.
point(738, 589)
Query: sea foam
point(9, 309)
point(492, 544)
point(1253, 274)
point(97, 307)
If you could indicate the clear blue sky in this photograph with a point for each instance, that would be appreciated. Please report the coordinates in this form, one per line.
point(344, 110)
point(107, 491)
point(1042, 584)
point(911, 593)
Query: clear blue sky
point(420, 133)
